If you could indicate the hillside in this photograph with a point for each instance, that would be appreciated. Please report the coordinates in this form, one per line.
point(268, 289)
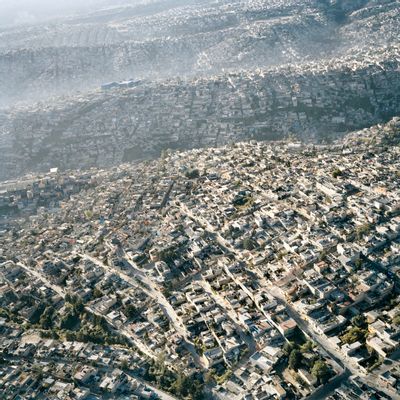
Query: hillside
point(312, 102)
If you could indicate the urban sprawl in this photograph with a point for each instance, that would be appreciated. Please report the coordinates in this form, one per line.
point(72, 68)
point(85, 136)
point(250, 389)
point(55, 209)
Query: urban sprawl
point(255, 270)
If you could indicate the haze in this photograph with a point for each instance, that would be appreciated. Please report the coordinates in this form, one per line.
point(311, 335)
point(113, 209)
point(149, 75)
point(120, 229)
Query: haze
point(17, 12)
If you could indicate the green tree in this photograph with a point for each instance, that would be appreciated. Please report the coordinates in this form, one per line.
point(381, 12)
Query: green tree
point(396, 320)
point(70, 336)
point(307, 346)
point(287, 348)
point(337, 172)
point(131, 311)
point(178, 387)
point(46, 320)
point(322, 256)
point(294, 359)
point(167, 255)
point(100, 322)
point(197, 390)
point(355, 334)
point(224, 377)
point(124, 365)
point(321, 371)
point(97, 293)
point(359, 321)
point(79, 307)
point(358, 263)
point(192, 173)
point(69, 321)
point(248, 243)
point(363, 230)
point(209, 376)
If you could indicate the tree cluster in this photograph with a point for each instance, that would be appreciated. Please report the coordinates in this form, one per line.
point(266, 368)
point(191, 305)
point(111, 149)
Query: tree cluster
point(295, 354)
point(181, 385)
point(192, 173)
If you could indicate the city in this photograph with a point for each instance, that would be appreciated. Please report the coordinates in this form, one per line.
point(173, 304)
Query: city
point(199, 200)
point(257, 269)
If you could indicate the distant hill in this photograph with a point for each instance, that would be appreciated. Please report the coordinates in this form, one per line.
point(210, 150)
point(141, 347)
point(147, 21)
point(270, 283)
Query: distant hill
point(169, 38)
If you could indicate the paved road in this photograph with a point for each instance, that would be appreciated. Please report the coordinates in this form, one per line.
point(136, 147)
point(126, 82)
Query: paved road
point(90, 310)
point(165, 305)
point(100, 366)
point(324, 344)
point(41, 277)
point(154, 291)
point(342, 362)
point(231, 313)
point(160, 393)
point(324, 391)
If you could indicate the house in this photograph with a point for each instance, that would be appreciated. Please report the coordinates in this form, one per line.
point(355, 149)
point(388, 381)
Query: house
point(309, 379)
